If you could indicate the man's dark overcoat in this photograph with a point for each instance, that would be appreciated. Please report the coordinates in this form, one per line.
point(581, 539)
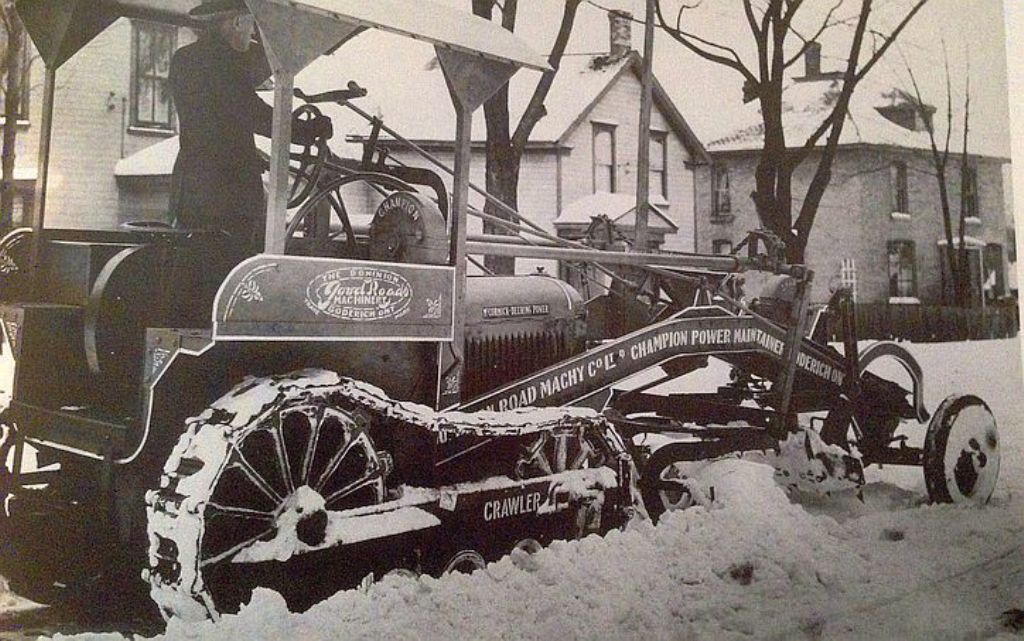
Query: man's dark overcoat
point(216, 181)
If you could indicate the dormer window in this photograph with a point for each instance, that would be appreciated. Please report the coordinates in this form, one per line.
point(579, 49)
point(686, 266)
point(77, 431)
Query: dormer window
point(906, 112)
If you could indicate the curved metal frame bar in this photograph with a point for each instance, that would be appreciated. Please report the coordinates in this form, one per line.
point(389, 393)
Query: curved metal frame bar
point(907, 361)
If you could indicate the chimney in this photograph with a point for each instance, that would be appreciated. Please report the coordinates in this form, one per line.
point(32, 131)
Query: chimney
point(620, 31)
point(812, 60)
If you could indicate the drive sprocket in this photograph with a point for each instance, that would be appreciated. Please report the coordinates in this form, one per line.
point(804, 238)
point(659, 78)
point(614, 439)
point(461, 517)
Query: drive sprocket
point(255, 477)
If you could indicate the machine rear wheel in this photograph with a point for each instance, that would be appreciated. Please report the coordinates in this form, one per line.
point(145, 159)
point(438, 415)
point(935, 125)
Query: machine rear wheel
point(961, 452)
point(249, 490)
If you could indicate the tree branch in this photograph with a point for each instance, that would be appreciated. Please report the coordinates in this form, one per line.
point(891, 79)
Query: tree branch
point(748, 9)
point(823, 173)
point(535, 109)
point(888, 40)
point(690, 41)
point(826, 24)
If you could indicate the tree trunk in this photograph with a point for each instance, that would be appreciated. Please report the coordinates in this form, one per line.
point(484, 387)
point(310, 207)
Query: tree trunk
point(964, 280)
point(12, 107)
point(952, 296)
point(502, 183)
point(502, 164)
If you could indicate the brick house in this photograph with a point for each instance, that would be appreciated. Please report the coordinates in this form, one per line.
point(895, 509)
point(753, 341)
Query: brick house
point(112, 100)
point(879, 228)
point(586, 143)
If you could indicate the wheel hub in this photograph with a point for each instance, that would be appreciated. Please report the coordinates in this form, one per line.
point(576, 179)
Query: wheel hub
point(303, 516)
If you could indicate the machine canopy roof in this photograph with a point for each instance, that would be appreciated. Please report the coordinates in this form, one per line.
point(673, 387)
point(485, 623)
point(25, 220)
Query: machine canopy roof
point(59, 28)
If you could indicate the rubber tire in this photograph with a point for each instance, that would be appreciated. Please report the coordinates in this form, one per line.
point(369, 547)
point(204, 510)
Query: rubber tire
point(936, 442)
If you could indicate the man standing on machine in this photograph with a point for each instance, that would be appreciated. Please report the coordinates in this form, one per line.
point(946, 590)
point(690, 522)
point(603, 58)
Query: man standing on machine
point(216, 183)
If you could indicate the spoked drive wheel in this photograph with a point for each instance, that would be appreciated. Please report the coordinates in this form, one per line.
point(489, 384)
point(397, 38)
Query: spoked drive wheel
point(961, 452)
point(328, 203)
point(253, 483)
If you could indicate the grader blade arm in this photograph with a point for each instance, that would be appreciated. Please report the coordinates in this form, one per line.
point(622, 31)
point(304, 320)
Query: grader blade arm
point(710, 331)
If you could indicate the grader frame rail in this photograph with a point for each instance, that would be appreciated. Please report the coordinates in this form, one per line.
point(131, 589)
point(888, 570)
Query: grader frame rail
point(242, 429)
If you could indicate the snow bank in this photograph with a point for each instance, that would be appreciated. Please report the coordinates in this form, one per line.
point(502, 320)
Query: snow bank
point(758, 563)
point(754, 564)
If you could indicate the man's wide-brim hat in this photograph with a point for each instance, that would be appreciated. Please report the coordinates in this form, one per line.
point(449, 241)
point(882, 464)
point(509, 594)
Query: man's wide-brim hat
point(214, 9)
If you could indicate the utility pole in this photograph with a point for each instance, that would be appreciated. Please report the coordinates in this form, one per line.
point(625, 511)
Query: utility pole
point(643, 161)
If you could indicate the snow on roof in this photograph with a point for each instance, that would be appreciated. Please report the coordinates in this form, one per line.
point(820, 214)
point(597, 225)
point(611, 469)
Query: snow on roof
point(620, 208)
point(25, 173)
point(807, 104)
point(155, 160)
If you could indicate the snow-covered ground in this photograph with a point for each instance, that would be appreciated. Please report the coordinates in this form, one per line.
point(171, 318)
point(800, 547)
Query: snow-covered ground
point(757, 564)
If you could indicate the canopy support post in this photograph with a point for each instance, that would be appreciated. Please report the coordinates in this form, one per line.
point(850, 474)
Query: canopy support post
point(471, 80)
point(43, 167)
point(451, 361)
point(277, 204)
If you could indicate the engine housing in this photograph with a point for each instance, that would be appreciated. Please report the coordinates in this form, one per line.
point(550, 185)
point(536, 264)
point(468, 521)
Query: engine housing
point(518, 325)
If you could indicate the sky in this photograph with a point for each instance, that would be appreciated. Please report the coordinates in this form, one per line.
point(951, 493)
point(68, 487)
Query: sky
point(971, 29)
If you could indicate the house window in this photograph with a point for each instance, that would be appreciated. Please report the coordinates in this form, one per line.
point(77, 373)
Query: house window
point(25, 65)
point(721, 246)
point(721, 199)
point(994, 286)
point(900, 193)
point(152, 47)
point(604, 157)
point(848, 276)
point(658, 163)
point(902, 276)
point(970, 188)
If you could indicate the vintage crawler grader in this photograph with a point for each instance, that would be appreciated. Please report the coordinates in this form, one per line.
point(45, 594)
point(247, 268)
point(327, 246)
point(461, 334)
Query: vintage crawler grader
point(349, 403)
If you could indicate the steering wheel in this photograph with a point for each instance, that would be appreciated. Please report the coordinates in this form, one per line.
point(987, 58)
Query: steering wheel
point(314, 217)
point(310, 160)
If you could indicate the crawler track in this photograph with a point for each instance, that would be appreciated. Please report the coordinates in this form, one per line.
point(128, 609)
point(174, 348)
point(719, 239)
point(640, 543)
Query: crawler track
point(281, 478)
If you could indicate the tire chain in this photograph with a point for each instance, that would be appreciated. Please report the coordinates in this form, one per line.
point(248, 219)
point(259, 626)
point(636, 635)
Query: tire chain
point(175, 510)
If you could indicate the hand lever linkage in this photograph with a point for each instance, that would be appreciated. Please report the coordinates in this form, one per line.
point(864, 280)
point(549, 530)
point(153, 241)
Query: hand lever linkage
point(338, 95)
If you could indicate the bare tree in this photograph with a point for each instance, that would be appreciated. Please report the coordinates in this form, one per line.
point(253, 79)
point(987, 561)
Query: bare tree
point(15, 67)
point(779, 45)
point(957, 263)
point(505, 147)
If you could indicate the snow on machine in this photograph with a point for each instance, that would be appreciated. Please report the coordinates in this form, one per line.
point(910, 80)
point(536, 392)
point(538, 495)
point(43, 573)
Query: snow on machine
point(349, 403)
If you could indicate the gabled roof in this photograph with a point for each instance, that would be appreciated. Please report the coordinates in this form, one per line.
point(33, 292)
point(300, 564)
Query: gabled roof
point(578, 88)
point(405, 95)
point(619, 208)
point(807, 104)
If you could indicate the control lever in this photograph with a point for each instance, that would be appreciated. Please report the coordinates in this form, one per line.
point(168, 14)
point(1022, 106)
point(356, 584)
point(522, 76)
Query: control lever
point(352, 92)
